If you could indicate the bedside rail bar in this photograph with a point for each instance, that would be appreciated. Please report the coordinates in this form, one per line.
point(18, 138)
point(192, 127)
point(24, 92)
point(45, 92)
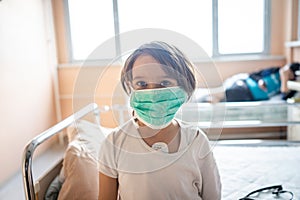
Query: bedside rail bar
point(36, 141)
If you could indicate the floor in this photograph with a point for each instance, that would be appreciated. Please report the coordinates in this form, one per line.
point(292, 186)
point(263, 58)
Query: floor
point(13, 189)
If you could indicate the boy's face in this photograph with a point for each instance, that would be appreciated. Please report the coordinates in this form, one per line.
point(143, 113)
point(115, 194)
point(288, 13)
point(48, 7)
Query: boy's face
point(147, 73)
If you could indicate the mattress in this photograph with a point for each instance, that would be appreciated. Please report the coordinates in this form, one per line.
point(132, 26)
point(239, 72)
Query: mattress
point(244, 168)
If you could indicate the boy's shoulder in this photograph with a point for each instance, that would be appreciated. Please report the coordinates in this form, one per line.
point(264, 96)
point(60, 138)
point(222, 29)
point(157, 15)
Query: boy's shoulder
point(127, 129)
point(191, 131)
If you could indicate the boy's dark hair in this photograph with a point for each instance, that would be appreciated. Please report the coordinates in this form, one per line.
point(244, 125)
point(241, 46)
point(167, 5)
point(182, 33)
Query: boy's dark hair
point(178, 64)
point(294, 67)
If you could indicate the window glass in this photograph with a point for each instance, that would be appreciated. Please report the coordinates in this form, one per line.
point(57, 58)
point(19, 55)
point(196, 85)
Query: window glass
point(192, 18)
point(240, 26)
point(91, 24)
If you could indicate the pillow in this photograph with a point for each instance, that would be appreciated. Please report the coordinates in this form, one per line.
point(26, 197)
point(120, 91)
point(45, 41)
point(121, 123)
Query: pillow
point(80, 162)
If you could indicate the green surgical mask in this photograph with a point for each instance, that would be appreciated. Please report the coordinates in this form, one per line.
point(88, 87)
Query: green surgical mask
point(157, 107)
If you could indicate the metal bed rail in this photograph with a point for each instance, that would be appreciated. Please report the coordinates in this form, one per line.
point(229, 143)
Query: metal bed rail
point(239, 115)
point(39, 139)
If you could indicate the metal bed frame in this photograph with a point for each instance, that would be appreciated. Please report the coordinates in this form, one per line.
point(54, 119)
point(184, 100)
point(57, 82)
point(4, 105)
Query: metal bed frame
point(31, 191)
point(227, 115)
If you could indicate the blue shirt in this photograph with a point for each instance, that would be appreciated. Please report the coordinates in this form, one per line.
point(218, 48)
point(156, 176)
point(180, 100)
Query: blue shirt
point(272, 82)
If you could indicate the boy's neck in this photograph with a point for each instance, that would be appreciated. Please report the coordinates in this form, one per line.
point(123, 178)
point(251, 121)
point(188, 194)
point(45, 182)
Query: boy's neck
point(169, 135)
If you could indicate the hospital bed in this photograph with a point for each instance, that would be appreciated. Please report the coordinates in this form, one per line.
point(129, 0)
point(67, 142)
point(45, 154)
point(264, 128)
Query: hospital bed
point(245, 165)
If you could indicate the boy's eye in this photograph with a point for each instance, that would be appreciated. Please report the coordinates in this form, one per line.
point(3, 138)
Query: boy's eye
point(166, 83)
point(141, 84)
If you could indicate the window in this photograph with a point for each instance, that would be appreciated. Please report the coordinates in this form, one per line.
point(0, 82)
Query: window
point(241, 27)
point(220, 27)
point(91, 22)
point(191, 18)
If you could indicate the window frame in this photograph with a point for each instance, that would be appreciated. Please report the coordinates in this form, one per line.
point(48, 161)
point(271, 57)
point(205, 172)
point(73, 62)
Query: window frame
point(267, 19)
point(215, 40)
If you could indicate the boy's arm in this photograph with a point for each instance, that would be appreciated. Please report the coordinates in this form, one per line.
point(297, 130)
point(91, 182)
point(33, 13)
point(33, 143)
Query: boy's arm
point(211, 179)
point(108, 187)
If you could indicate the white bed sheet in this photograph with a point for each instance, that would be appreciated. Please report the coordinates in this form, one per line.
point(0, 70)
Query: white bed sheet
point(244, 169)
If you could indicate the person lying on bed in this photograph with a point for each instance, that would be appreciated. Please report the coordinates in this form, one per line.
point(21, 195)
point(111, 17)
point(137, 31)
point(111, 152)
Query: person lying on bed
point(257, 86)
point(154, 156)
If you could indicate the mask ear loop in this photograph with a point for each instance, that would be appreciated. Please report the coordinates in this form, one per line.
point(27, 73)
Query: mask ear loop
point(128, 88)
point(134, 116)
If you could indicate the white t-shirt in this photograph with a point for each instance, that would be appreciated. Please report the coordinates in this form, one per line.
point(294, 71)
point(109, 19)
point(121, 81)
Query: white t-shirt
point(144, 173)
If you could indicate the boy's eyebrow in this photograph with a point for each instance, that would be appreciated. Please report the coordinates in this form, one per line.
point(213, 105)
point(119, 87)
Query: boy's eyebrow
point(137, 77)
point(140, 77)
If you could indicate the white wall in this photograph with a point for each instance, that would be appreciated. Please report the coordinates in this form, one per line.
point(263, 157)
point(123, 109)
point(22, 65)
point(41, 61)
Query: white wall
point(26, 87)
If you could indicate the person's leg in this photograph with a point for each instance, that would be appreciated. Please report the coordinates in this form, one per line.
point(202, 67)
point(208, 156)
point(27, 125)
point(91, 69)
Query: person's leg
point(238, 92)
